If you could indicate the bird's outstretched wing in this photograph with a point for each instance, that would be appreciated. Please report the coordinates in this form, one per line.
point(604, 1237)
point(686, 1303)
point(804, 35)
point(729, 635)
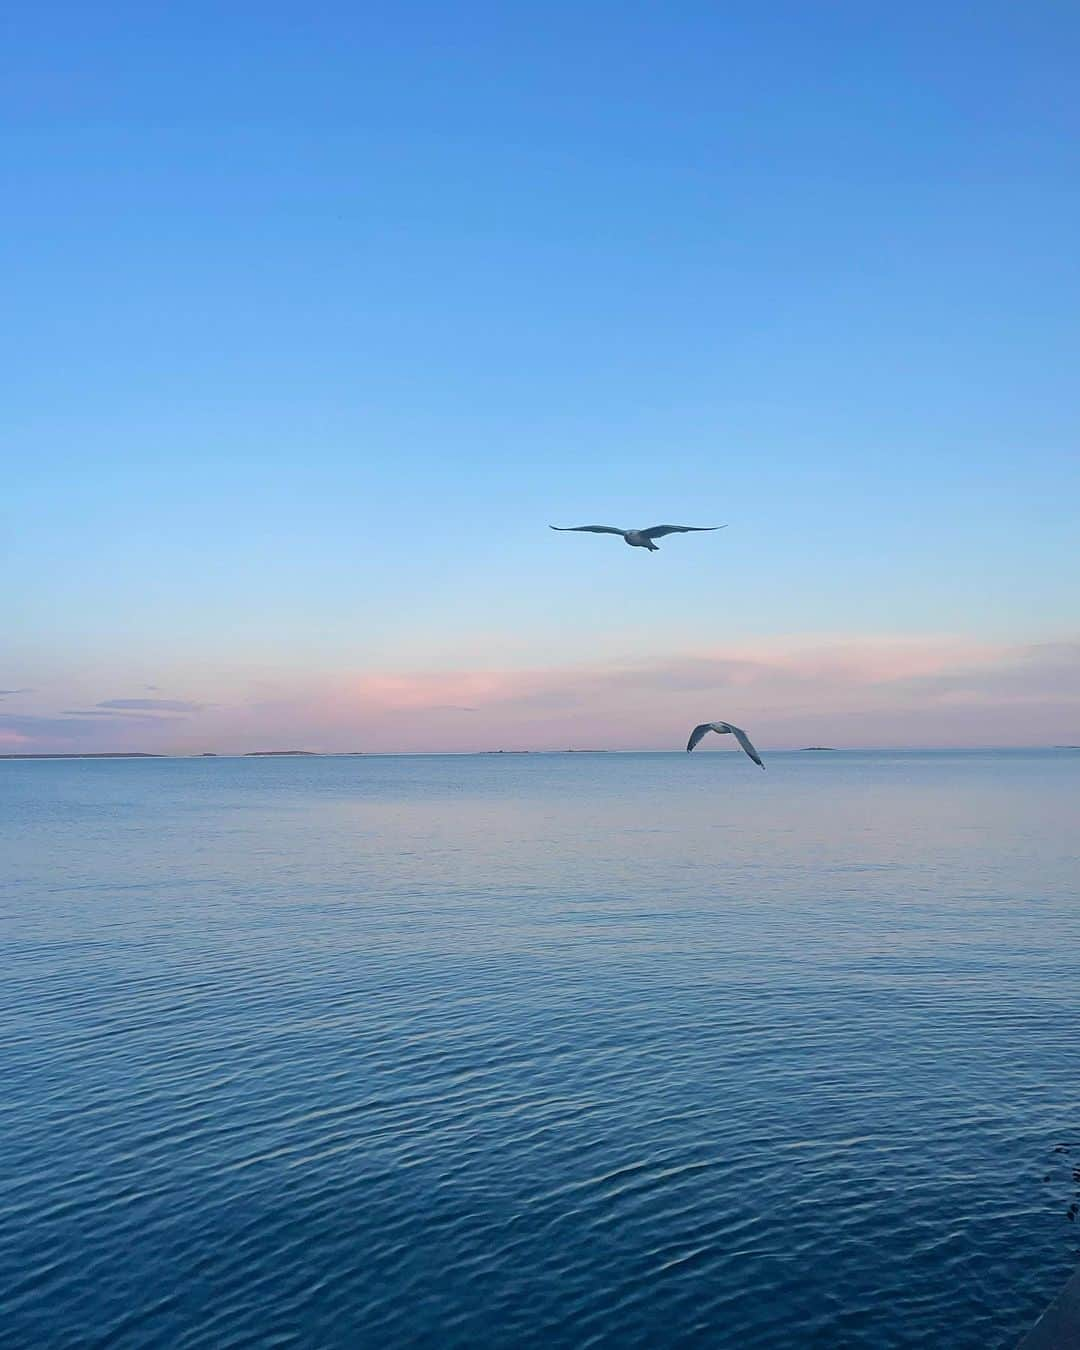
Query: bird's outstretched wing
point(590, 529)
point(724, 729)
point(658, 531)
point(744, 741)
point(697, 734)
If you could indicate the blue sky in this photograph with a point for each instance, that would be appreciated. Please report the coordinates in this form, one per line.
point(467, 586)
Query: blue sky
point(318, 315)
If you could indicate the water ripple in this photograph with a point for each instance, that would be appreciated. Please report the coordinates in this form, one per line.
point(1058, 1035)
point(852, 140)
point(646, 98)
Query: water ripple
point(448, 1053)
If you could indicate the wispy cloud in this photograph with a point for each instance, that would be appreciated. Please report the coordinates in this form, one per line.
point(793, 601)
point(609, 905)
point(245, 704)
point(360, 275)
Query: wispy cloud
point(4, 693)
point(152, 704)
point(886, 691)
point(120, 714)
point(865, 691)
point(80, 731)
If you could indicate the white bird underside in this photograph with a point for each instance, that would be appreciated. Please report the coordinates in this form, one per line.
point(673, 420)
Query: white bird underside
point(724, 729)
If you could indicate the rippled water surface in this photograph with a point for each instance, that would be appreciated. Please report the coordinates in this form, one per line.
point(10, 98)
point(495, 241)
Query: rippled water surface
point(614, 1050)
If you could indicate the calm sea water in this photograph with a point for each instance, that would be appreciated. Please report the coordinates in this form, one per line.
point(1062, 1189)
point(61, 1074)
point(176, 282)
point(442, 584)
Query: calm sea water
point(614, 1050)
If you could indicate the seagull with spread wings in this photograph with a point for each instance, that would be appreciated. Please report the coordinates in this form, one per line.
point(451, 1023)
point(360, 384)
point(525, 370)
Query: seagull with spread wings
point(641, 538)
point(724, 729)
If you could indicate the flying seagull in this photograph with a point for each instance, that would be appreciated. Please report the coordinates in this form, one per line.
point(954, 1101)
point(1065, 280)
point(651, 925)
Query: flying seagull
point(641, 538)
point(724, 729)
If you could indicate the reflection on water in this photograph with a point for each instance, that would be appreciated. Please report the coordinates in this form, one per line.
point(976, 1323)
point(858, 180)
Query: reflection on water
point(581, 1050)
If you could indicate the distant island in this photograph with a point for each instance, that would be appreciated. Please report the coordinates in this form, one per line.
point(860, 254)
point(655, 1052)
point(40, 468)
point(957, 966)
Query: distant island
point(255, 753)
point(204, 754)
point(817, 747)
point(91, 754)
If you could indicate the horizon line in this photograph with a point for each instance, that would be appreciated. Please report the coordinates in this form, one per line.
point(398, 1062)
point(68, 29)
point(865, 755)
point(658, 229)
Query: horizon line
point(503, 750)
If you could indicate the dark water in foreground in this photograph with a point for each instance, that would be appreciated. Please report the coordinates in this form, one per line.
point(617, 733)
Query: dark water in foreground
point(572, 1050)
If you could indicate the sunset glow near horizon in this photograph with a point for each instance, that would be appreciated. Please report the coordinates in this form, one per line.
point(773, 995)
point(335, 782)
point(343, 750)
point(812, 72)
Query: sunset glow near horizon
point(312, 334)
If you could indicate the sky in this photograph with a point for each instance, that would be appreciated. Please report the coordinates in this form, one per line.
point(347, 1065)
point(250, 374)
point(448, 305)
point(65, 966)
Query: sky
point(318, 315)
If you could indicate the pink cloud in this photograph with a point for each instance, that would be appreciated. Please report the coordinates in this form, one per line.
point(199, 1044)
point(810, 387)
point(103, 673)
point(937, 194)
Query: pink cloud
point(871, 691)
point(838, 691)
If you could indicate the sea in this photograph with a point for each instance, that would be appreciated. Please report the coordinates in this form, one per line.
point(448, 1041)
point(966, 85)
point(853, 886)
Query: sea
point(584, 1050)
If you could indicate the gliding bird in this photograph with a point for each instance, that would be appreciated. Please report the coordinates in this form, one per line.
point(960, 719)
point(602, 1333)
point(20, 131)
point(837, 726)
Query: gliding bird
point(641, 538)
point(724, 729)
